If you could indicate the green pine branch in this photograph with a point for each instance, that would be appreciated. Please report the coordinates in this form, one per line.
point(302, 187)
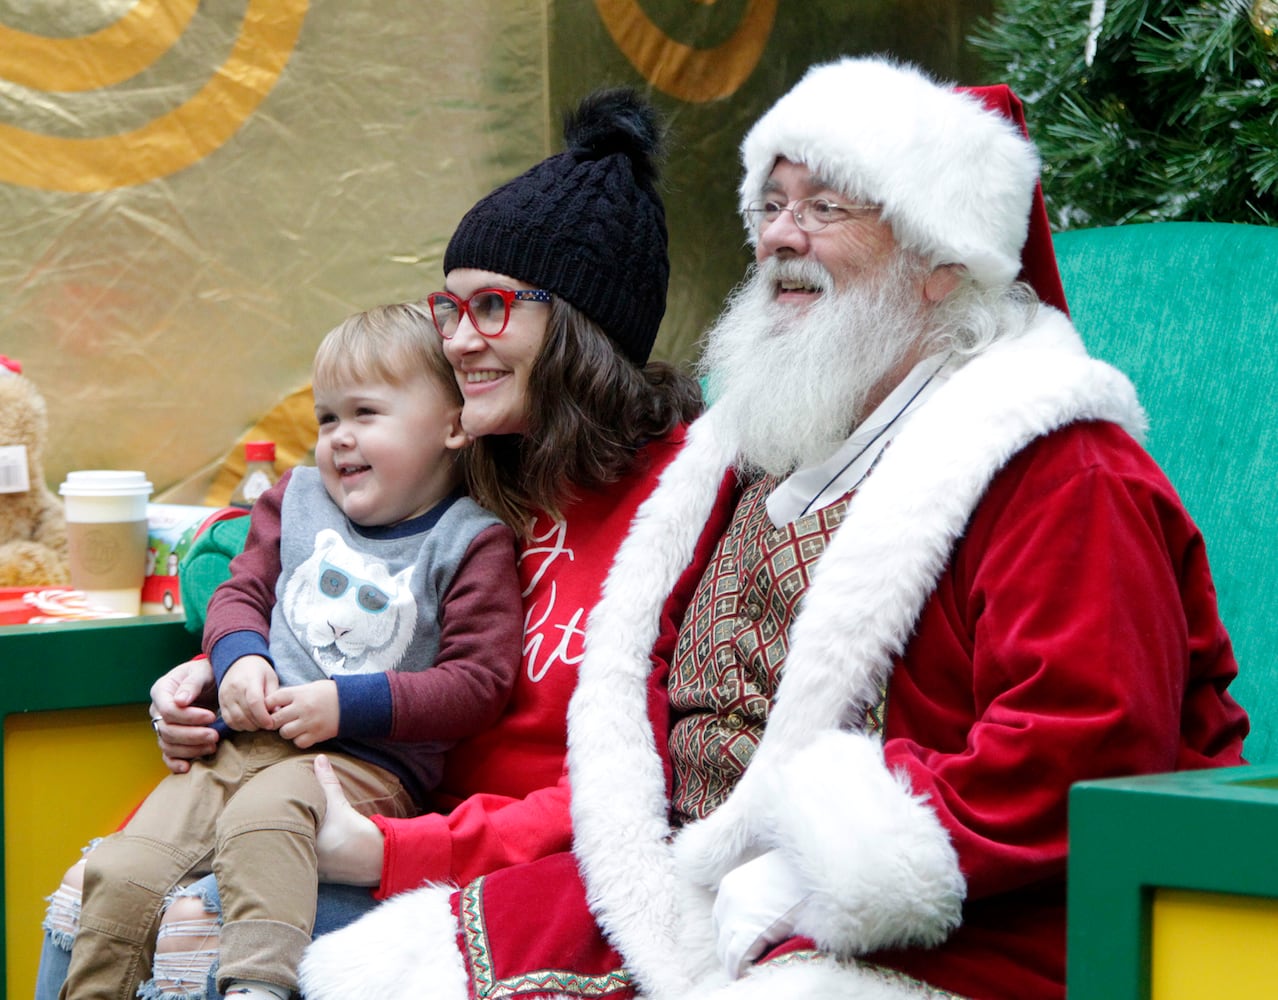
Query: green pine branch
point(1175, 117)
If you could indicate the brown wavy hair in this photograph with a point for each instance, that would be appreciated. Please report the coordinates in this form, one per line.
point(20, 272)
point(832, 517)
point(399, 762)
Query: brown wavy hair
point(589, 411)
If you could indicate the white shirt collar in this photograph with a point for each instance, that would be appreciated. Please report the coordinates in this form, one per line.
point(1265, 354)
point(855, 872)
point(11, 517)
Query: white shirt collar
point(817, 486)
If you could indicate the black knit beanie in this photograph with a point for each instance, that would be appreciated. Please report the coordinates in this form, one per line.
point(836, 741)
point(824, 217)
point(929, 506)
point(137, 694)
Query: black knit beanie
point(586, 224)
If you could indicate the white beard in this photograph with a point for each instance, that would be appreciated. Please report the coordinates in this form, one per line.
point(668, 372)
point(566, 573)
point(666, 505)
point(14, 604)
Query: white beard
point(793, 385)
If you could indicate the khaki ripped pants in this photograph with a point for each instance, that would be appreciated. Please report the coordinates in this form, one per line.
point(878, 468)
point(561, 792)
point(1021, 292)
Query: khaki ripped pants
point(249, 814)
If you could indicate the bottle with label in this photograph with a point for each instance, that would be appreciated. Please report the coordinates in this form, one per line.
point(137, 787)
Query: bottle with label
point(259, 475)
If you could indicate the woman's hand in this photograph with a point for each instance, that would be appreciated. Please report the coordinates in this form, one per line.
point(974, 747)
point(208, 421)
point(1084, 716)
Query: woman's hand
point(179, 716)
point(349, 846)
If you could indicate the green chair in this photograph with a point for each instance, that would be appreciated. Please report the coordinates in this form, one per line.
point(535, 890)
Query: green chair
point(1189, 311)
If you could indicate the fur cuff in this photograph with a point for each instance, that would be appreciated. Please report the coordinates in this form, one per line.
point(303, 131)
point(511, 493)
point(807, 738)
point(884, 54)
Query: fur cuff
point(885, 872)
point(406, 947)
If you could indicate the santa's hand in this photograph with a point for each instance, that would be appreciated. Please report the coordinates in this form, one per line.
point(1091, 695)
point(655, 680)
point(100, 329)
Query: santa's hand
point(348, 846)
point(756, 907)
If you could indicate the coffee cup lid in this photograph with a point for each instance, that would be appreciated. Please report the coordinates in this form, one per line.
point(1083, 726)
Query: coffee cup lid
point(105, 482)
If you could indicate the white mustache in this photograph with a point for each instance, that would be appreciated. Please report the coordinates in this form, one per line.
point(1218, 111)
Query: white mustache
point(796, 270)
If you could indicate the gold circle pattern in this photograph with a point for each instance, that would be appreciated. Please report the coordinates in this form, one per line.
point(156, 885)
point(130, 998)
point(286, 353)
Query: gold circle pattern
point(174, 140)
point(117, 52)
point(682, 71)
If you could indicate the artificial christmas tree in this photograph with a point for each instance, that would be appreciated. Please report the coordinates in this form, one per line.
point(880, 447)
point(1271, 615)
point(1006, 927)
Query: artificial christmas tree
point(1145, 110)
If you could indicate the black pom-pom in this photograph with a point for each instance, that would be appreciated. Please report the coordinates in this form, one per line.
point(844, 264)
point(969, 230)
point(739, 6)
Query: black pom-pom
point(618, 120)
point(587, 224)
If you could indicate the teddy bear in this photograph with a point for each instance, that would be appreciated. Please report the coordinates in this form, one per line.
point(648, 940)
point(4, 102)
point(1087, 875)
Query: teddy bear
point(33, 530)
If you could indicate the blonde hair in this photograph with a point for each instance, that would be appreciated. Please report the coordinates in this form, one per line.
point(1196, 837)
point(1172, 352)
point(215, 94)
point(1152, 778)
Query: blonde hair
point(390, 343)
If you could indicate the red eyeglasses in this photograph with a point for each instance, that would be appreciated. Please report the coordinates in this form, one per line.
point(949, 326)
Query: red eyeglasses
point(488, 309)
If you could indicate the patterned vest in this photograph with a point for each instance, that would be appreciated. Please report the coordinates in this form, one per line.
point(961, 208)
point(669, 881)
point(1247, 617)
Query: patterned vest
point(733, 644)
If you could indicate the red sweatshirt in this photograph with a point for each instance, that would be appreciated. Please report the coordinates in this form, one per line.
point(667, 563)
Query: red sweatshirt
point(504, 797)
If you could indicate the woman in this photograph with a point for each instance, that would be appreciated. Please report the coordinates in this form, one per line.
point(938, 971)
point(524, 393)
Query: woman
point(556, 285)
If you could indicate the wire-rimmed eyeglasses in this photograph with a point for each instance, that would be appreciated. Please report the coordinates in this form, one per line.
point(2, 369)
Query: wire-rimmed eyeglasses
point(810, 214)
point(488, 309)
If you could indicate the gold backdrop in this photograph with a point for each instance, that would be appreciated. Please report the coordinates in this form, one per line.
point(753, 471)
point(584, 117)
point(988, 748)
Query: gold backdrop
point(193, 191)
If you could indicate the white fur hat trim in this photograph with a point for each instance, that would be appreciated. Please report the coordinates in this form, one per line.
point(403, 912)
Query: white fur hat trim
point(955, 179)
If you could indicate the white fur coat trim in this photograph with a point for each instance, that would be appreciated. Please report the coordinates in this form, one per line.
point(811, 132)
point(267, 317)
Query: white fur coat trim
point(405, 947)
point(812, 789)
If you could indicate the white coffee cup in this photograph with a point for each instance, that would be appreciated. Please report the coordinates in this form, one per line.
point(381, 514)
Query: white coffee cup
point(107, 533)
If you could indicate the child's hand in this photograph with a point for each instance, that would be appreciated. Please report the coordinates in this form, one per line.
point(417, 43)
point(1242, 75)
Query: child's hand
point(306, 713)
point(243, 692)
